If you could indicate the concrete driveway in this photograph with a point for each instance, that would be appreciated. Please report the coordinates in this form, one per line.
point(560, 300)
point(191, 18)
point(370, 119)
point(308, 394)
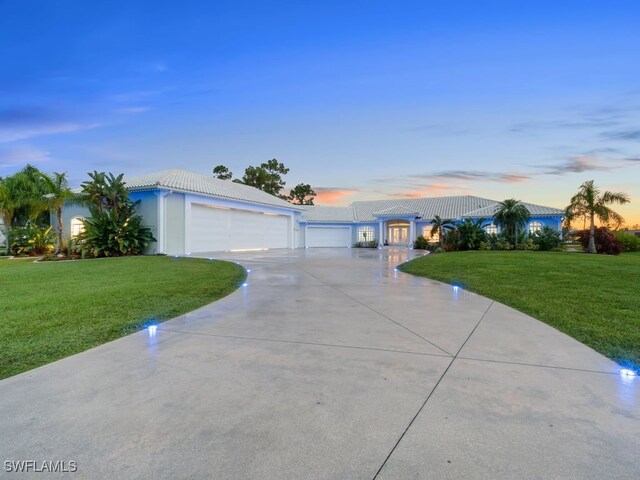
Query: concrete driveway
point(329, 364)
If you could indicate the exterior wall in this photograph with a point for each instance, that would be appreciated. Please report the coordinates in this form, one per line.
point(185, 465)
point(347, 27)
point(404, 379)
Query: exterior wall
point(299, 232)
point(376, 233)
point(551, 222)
point(174, 224)
point(147, 209)
point(68, 212)
point(420, 227)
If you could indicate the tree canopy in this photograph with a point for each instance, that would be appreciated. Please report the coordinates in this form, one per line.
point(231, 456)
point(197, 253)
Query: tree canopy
point(269, 177)
point(222, 172)
point(302, 194)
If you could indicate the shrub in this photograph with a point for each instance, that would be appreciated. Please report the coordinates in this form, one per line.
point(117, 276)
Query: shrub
point(606, 242)
point(486, 245)
point(470, 234)
point(421, 243)
point(450, 240)
point(546, 239)
point(108, 235)
point(528, 244)
point(114, 228)
point(503, 244)
point(629, 242)
point(32, 240)
point(368, 244)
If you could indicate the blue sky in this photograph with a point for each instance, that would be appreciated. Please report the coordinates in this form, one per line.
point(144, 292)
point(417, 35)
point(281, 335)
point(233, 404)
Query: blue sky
point(361, 99)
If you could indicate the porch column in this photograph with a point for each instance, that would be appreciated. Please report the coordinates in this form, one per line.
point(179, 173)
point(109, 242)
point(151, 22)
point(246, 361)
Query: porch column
point(381, 237)
point(412, 229)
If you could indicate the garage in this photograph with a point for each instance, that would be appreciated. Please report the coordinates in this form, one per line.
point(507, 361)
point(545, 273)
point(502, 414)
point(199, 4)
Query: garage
point(328, 236)
point(215, 229)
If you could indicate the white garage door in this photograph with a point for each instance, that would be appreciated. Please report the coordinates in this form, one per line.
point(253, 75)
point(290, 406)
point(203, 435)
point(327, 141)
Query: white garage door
point(328, 236)
point(216, 229)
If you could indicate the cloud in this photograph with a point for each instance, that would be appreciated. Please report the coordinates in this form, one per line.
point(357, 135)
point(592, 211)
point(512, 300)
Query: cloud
point(606, 116)
point(131, 110)
point(20, 155)
point(475, 175)
point(333, 196)
point(434, 190)
point(22, 123)
point(601, 122)
point(579, 164)
point(633, 135)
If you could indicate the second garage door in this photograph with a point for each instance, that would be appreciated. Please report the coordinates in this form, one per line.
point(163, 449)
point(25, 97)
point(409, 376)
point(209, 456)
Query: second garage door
point(217, 229)
point(328, 237)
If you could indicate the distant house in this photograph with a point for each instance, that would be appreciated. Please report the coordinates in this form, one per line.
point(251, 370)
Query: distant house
point(189, 213)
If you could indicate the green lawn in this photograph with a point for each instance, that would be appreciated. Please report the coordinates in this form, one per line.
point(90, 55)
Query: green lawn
point(49, 310)
point(593, 298)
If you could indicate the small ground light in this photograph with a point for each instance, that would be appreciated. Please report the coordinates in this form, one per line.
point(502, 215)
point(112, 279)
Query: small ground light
point(152, 330)
point(626, 373)
point(248, 270)
point(245, 284)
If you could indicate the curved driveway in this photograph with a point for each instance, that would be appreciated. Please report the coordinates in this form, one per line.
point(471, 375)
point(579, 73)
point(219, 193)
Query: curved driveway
point(329, 364)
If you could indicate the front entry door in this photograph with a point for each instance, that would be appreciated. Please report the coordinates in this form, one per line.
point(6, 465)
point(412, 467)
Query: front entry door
point(399, 235)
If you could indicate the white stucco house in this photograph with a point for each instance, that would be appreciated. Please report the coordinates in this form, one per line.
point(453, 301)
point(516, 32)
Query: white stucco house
point(190, 212)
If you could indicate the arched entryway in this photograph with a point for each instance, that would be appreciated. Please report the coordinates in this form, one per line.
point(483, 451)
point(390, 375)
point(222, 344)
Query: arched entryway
point(398, 232)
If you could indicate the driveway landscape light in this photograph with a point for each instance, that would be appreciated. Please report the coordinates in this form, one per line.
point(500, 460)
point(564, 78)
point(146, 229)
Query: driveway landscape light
point(627, 373)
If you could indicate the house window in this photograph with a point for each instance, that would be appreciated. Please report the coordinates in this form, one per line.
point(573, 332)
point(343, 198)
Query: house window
point(366, 234)
point(491, 229)
point(535, 227)
point(426, 233)
point(77, 227)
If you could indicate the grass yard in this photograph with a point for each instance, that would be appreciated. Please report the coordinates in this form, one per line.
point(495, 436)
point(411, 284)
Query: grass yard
point(49, 310)
point(593, 298)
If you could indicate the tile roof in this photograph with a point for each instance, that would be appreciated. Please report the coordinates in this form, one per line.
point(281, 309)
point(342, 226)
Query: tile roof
point(427, 208)
point(534, 210)
point(328, 214)
point(396, 210)
point(184, 181)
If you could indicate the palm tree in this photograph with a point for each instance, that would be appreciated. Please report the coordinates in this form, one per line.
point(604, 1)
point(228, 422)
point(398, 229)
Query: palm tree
point(58, 194)
point(591, 202)
point(511, 215)
point(471, 233)
point(439, 226)
point(8, 207)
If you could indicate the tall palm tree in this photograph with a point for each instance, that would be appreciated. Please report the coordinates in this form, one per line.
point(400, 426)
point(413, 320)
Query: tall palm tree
point(511, 215)
point(589, 200)
point(58, 194)
point(439, 226)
